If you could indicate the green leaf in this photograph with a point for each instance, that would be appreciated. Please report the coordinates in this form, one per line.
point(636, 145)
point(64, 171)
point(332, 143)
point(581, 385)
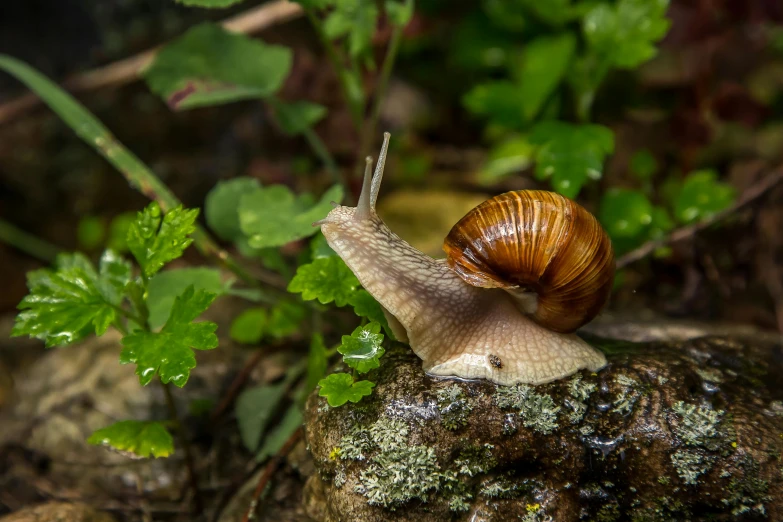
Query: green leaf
point(165, 286)
point(355, 19)
point(254, 409)
point(209, 65)
point(499, 101)
point(326, 279)
point(365, 305)
point(625, 213)
point(142, 438)
point(570, 154)
point(701, 196)
point(168, 352)
point(90, 232)
point(211, 4)
point(319, 247)
point(278, 436)
point(339, 388)
point(118, 231)
point(155, 242)
point(273, 216)
point(399, 12)
point(643, 164)
point(67, 304)
point(624, 34)
point(362, 349)
point(296, 117)
point(507, 158)
point(315, 4)
point(540, 69)
point(316, 361)
point(221, 206)
point(248, 327)
point(284, 319)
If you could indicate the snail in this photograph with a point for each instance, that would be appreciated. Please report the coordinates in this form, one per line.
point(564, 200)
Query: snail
point(523, 271)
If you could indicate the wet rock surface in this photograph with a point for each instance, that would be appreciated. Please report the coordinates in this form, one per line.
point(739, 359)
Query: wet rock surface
point(686, 430)
point(59, 512)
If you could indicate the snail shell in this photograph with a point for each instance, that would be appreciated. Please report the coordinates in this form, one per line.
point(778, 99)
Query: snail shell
point(536, 241)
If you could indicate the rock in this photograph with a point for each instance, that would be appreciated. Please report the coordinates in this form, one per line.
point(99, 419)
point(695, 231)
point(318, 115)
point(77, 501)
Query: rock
point(679, 430)
point(59, 512)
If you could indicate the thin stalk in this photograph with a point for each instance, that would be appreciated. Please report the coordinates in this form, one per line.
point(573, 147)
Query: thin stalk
point(27, 243)
point(383, 82)
point(128, 315)
point(341, 176)
point(352, 97)
point(185, 445)
point(95, 134)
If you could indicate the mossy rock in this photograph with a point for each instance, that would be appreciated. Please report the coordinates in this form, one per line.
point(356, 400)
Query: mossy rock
point(688, 430)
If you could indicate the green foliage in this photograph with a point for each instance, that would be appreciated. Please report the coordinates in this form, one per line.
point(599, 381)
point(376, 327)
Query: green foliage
point(143, 439)
point(499, 101)
point(643, 165)
point(624, 34)
point(570, 154)
point(354, 20)
point(90, 232)
point(365, 305)
point(248, 327)
point(273, 216)
point(294, 118)
point(701, 196)
point(155, 241)
point(254, 409)
point(316, 362)
point(506, 158)
point(169, 353)
point(74, 300)
point(212, 4)
point(326, 279)
point(279, 434)
point(284, 319)
point(165, 286)
point(339, 388)
point(222, 202)
point(362, 349)
point(625, 213)
point(209, 65)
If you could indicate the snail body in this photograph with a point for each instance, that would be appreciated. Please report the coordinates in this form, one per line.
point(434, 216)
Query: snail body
point(523, 271)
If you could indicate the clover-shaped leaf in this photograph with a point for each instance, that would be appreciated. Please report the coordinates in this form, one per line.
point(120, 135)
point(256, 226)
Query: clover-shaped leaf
point(701, 196)
point(142, 438)
point(625, 213)
point(73, 300)
point(362, 349)
point(326, 279)
point(169, 352)
point(339, 388)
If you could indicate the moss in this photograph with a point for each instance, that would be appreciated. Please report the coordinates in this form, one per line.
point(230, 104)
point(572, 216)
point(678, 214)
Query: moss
point(700, 426)
point(690, 464)
point(608, 513)
point(503, 487)
point(580, 390)
point(537, 410)
point(629, 395)
point(664, 480)
point(664, 510)
point(396, 476)
point(454, 407)
point(710, 375)
point(747, 494)
point(456, 492)
point(475, 460)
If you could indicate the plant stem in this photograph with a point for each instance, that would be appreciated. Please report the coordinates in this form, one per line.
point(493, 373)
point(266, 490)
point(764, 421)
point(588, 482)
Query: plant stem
point(341, 176)
point(128, 315)
point(353, 96)
point(185, 446)
point(368, 133)
point(95, 134)
point(27, 243)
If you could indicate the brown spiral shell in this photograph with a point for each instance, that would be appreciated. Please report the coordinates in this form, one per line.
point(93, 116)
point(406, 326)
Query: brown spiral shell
point(538, 241)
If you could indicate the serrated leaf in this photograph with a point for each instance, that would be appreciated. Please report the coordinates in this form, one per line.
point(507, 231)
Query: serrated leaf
point(365, 305)
point(154, 241)
point(248, 327)
point(165, 286)
point(169, 353)
point(209, 65)
point(210, 4)
point(319, 247)
point(284, 319)
point(326, 279)
point(316, 361)
point(339, 388)
point(254, 409)
point(540, 68)
point(72, 301)
point(570, 154)
point(625, 213)
point(499, 101)
point(362, 349)
point(278, 436)
point(701, 196)
point(221, 206)
point(354, 19)
point(274, 216)
point(624, 34)
point(142, 438)
point(295, 117)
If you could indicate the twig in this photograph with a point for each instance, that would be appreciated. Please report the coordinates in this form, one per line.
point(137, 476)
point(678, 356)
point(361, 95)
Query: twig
point(27, 243)
point(198, 504)
point(757, 190)
point(127, 70)
point(270, 470)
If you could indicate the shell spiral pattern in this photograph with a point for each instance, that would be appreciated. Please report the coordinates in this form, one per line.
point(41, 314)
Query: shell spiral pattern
point(536, 241)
